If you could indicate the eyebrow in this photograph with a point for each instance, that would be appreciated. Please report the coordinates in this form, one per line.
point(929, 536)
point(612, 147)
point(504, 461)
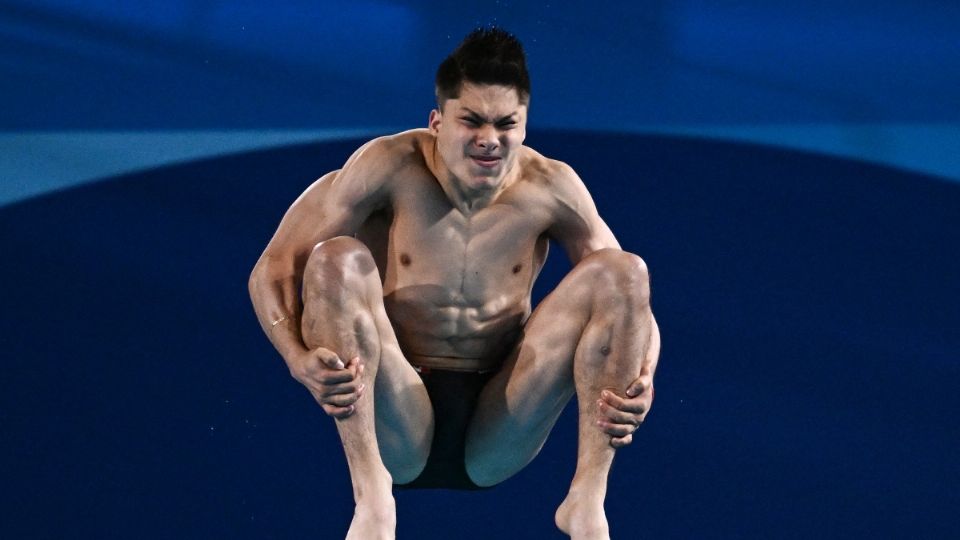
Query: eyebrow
point(477, 115)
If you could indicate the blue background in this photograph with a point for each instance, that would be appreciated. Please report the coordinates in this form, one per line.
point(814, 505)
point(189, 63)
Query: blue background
point(788, 172)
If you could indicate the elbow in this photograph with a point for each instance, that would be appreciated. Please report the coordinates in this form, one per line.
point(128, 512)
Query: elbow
point(254, 279)
point(261, 270)
point(269, 268)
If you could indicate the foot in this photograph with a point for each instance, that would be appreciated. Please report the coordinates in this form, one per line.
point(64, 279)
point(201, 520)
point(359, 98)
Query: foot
point(374, 520)
point(581, 516)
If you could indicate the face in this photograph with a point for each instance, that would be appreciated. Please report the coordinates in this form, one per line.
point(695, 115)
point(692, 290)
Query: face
point(479, 134)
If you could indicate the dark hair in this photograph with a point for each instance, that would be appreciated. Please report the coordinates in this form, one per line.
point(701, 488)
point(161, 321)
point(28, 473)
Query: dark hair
point(486, 56)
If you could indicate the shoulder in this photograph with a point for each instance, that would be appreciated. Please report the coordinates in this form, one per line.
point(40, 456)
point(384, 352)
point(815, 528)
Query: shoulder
point(376, 165)
point(388, 152)
point(557, 179)
point(574, 221)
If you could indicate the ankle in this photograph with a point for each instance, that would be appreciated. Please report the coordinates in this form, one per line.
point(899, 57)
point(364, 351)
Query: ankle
point(377, 504)
point(587, 488)
point(582, 516)
point(376, 489)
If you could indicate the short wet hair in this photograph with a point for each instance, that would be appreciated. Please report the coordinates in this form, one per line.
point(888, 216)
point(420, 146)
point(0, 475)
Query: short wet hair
point(486, 56)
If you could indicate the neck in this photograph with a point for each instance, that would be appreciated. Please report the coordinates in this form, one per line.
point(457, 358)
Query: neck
point(461, 196)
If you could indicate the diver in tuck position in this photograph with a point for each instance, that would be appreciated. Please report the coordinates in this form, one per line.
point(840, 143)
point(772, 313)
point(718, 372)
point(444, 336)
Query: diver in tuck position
point(397, 290)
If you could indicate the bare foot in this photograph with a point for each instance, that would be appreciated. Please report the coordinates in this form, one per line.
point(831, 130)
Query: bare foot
point(582, 517)
point(374, 520)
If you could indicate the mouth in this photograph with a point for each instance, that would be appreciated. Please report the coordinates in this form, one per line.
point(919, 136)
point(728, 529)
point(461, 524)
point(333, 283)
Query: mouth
point(487, 162)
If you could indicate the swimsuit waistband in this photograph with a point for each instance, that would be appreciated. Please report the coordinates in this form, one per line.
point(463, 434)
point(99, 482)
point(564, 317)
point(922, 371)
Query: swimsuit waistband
point(424, 363)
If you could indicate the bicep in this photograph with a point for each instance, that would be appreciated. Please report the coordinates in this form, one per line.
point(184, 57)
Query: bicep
point(308, 221)
point(578, 227)
point(335, 205)
point(581, 237)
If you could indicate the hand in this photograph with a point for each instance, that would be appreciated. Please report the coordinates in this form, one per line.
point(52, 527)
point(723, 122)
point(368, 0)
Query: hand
point(336, 386)
point(620, 416)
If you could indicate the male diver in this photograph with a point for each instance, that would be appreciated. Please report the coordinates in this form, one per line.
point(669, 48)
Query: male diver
point(398, 291)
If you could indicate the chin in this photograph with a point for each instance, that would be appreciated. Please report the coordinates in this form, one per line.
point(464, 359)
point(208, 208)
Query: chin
point(482, 178)
point(488, 176)
point(484, 183)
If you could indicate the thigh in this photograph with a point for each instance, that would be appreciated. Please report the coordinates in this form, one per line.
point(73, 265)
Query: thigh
point(404, 414)
point(520, 405)
point(344, 311)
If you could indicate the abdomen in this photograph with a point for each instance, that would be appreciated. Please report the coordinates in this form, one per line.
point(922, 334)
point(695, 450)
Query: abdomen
point(430, 320)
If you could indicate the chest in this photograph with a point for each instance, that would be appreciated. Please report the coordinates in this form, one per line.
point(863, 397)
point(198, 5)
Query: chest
point(432, 242)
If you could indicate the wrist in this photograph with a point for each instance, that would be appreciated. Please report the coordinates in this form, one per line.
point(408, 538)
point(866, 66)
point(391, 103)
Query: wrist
point(284, 333)
point(289, 321)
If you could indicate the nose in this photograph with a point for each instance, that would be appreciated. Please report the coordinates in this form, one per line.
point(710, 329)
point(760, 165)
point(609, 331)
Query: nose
point(486, 138)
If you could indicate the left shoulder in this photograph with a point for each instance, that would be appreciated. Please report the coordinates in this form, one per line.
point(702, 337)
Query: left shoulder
point(574, 221)
point(555, 177)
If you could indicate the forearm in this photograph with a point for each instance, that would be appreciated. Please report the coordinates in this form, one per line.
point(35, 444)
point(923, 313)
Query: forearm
point(274, 290)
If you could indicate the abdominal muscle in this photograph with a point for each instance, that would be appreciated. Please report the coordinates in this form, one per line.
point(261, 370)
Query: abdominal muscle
point(435, 330)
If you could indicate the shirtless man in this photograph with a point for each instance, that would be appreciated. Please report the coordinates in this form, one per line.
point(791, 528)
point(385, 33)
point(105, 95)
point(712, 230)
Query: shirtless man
point(414, 264)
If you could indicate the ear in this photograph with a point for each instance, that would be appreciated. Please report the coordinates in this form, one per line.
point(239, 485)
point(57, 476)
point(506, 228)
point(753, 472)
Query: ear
point(434, 123)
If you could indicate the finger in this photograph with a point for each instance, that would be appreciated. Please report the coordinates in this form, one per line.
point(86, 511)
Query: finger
point(330, 359)
point(329, 378)
point(620, 442)
point(635, 405)
point(352, 387)
point(341, 400)
point(333, 409)
point(615, 416)
point(334, 378)
point(651, 358)
point(616, 430)
point(637, 387)
point(339, 412)
point(356, 366)
point(643, 381)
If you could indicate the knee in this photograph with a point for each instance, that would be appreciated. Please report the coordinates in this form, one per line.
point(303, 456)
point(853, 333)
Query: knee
point(339, 268)
point(340, 255)
point(485, 478)
point(405, 469)
point(617, 274)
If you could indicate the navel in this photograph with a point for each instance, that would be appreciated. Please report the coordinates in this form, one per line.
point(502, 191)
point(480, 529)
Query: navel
point(404, 259)
point(516, 269)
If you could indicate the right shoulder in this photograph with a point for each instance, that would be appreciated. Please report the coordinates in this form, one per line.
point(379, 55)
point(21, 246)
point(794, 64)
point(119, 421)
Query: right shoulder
point(368, 176)
point(340, 201)
point(384, 157)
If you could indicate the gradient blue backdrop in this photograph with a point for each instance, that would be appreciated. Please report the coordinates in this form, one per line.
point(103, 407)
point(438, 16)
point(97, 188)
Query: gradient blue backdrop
point(788, 171)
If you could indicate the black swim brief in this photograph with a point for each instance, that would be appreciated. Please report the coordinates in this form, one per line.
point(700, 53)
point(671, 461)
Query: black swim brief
point(454, 396)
